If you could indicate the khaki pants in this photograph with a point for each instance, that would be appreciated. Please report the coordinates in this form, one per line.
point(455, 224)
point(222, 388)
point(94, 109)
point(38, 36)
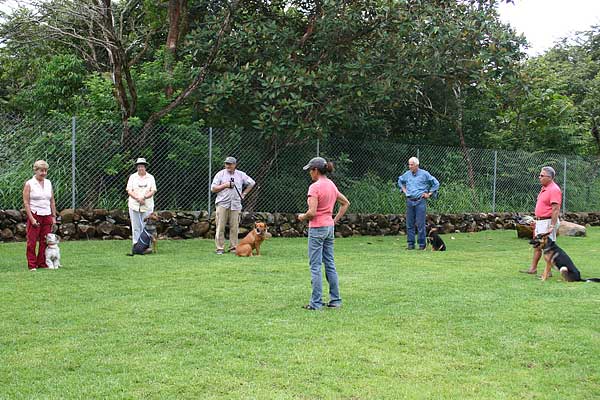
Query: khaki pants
point(222, 216)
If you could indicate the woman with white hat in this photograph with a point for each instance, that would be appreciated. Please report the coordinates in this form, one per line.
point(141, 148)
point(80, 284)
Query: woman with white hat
point(141, 188)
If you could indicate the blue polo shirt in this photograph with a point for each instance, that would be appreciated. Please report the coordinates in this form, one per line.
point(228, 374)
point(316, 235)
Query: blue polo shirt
point(418, 183)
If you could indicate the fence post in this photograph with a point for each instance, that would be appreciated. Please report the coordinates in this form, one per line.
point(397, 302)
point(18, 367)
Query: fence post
point(318, 147)
point(73, 160)
point(418, 154)
point(564, 208)
point(210, 137)
point(494, 187)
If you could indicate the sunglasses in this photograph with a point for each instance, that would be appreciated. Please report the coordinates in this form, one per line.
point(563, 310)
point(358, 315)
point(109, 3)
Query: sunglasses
point(543, 176)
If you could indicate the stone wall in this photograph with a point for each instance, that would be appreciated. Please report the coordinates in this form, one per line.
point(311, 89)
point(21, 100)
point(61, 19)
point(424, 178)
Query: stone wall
point(114, 224)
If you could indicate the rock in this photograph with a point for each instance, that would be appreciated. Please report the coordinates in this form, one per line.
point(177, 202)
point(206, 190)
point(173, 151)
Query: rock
point(166, 215)
point(566, 228)
point(85, 213)
point(67, 230)
point(122, 230)
point(86, 231)
point(21, 229)
point(382, 221)
point(6, 234)
point(344, 230)
point(99, 213)
point(67, 216)
point(524, 232)
point(120, 216)
point(105, 228)
point(183, 221)
point(448, 228)
point(290, 233)
point(174, 230)
point(199, 229)
point(187, 234)
point(14, 215)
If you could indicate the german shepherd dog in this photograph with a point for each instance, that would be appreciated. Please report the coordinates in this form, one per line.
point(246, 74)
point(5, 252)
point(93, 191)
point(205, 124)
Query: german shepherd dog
point(435, 241)
point(557, 257)
point(148, 237)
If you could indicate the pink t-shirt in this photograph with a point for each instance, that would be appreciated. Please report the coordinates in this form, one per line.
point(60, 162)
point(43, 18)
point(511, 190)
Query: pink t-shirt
point(326, 193)
point(549, 195)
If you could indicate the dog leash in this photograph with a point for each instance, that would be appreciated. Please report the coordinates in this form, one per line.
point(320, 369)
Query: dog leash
point(143, 228)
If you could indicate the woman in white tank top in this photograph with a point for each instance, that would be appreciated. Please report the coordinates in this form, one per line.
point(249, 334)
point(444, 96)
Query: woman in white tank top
point(38, 200)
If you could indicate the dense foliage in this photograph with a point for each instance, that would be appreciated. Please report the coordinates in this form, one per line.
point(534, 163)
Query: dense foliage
point(443, 72)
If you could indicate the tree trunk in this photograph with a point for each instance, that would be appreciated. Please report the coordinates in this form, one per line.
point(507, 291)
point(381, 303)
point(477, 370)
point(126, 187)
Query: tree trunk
point(263, 171)
point(461, 135)
point(176, 11)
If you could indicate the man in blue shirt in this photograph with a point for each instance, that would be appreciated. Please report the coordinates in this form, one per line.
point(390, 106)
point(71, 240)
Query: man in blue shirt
point(418, 185)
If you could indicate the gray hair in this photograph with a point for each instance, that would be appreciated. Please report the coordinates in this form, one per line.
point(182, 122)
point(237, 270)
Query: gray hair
point(40, 164)
point(550, 171)
point(414, 160)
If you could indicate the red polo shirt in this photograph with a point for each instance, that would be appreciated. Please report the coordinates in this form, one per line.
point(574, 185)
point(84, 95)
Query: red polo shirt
point(549, 195)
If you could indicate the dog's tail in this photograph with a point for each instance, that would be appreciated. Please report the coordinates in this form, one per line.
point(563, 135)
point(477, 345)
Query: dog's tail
point(597, 280)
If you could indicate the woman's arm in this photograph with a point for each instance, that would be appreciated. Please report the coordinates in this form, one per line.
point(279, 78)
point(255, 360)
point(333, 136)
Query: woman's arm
point(26, 199)
point(312, 209)
point(345, 203)
point(53, 207)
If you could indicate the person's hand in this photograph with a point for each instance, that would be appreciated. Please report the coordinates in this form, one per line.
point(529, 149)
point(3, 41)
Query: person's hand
point(141, 199)
point(34, 222)
point(301, 217)
point(53, 220)
point(426, 195)
point(243, 195)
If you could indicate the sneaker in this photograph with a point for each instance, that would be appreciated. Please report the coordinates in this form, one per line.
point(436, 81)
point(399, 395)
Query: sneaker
point(232, 250)
point(334, 305)
point(421, 248)
point(410, 248)
point(219, 252)
point(309, 307)
point(32, 269)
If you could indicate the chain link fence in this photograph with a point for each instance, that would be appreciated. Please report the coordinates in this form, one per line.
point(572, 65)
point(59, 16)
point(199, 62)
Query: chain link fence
point(90, 162)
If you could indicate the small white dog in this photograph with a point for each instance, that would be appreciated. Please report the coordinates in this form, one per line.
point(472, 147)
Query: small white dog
point(52, 251)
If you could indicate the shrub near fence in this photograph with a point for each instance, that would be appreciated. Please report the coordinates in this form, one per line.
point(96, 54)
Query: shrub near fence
point(185, 158)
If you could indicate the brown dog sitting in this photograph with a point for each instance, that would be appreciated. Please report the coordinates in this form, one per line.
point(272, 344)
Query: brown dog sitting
point(252, 241)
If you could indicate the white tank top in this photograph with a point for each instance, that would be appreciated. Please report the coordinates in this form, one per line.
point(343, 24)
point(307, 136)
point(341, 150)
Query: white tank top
point(39, 197)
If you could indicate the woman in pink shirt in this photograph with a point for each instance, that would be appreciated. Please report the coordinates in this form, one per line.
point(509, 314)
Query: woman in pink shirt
point(322, 196)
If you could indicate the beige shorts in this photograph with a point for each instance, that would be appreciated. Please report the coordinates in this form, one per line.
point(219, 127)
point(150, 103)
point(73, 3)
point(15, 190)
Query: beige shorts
point(541, 226)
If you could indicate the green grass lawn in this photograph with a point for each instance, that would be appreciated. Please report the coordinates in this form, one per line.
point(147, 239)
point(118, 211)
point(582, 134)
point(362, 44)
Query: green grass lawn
point(188, 324)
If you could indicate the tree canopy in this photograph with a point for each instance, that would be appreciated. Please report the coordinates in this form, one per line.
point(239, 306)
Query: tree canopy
point(440, 71)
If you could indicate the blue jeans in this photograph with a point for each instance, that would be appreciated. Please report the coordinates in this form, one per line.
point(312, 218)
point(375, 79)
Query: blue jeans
point(320, 251)
point(415, 215)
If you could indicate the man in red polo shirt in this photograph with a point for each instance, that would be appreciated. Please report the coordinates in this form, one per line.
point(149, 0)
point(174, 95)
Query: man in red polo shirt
point(547, 209)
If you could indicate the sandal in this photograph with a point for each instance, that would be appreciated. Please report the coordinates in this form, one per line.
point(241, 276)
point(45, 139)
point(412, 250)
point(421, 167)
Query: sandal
point(526, 271)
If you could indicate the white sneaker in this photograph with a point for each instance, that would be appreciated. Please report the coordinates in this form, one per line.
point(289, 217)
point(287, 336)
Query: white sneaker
point(32, 269)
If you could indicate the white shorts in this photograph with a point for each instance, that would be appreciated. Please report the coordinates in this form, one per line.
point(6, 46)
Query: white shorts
point(541, 226)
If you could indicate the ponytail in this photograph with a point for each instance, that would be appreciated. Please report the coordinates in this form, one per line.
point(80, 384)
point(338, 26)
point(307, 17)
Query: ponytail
point(327, 169)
